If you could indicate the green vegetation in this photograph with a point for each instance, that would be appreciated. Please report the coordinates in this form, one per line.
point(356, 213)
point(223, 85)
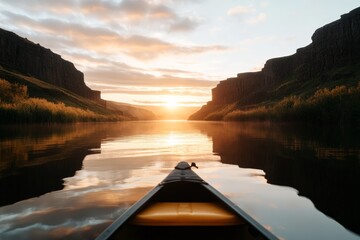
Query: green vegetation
point(329, 98)
point(17, 107)
point(340, 105)
point(40, 89)
point(220, 113)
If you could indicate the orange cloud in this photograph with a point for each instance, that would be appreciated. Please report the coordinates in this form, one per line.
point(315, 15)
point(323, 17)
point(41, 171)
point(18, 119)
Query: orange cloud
point(106, 41)
point(127, 77)
point(109, 40)
point(154, 91)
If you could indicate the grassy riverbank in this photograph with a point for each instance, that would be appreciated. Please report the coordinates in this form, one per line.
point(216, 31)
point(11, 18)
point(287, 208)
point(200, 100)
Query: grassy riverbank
point(17, 107)
point(340, 105)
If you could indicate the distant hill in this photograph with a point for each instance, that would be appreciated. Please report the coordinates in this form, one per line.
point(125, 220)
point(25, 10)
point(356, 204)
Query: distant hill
point(50, 77)
point(131, 111)
point(332, 59)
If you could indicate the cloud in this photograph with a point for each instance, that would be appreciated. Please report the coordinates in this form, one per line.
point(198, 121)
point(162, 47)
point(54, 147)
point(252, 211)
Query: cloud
point(142, 14)
point(126, 77)
point(180, 1)
point(240, 10)
point(140, 47)
point(57, 7)
point(248, 14)
point(125, 82)
point(104, 40)
point(161, 15)
point(133, 90)
point(186, 103)
point(257, 19)
point(140, 9)
point(128, 10)
point(167, 71)
point(184, 25)
point(121, 46)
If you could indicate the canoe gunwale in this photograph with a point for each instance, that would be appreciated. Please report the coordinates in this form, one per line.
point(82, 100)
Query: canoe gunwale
point(109, 231)
point(181, 177)
point(183, 180)
point(251, 221)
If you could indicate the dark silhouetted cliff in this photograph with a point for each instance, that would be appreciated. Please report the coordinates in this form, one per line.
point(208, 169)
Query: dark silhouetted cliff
point(321, 163)
point(333, 56)
point(26, 57)
point(47, 156)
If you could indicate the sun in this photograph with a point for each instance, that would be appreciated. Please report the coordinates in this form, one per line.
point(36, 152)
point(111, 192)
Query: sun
point(171, 103)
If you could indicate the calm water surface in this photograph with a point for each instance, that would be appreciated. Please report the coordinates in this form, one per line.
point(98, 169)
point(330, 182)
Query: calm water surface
point(72, 181)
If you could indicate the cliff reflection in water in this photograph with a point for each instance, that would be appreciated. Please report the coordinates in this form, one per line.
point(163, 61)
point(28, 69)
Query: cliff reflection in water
point(322, 164)
point(34, 160)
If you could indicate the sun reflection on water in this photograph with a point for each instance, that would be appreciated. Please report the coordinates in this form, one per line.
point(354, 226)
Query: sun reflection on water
point(136, 156)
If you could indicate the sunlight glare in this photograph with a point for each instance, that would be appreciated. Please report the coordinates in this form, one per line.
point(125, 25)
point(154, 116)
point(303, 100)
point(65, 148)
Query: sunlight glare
point(173, 140)
point(171, 102)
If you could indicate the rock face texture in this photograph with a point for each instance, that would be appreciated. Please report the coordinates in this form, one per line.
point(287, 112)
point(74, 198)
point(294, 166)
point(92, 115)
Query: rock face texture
point(334, 45)
point(22, 55)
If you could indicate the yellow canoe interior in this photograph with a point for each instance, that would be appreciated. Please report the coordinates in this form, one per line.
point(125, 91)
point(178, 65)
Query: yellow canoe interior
point(186, 214)
point(183, 206)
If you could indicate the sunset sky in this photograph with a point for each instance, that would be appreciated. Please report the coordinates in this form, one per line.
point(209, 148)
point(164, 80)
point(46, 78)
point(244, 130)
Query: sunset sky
point(168, 52)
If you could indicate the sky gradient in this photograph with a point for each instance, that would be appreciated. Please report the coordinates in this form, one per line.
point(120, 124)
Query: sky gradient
point(168, 52)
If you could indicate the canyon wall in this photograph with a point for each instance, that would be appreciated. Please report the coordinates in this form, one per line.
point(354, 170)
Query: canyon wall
point(334, 45)
point(28, 58)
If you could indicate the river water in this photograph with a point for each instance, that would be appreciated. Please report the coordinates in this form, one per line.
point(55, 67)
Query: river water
point(72, 181)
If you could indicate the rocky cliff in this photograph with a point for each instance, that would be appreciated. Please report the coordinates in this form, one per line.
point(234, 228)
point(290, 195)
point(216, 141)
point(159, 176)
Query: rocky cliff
point(334, 46)
point(32, 59)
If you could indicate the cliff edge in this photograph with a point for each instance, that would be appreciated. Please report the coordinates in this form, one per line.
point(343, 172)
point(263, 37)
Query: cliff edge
point(28, 58)
point(333, 57)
